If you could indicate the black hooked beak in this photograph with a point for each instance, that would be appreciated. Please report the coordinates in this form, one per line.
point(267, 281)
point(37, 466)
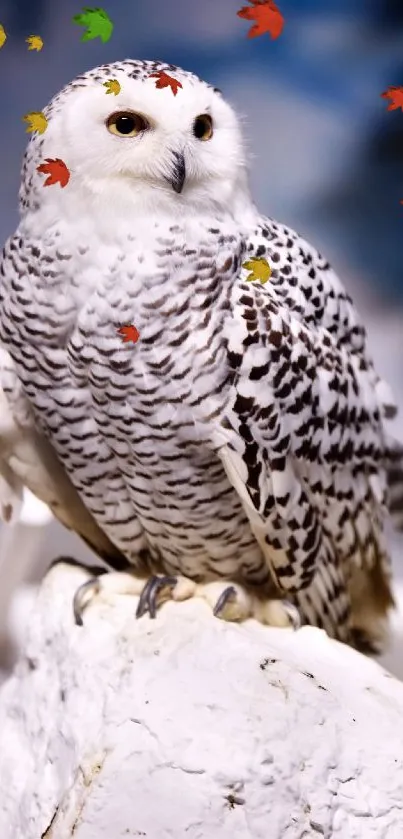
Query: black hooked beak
point(178, 174)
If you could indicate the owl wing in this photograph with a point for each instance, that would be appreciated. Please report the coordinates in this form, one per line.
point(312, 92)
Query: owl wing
point(303, 440)
point(28, 459)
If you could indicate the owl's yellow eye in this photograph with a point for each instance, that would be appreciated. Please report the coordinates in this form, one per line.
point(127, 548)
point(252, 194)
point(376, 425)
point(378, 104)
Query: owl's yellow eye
point(203, 127)
point(126, 124)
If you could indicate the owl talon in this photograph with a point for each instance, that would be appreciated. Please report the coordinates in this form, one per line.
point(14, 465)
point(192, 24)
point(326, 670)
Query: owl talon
point(149, 596)
point(84, 594)
point(227, 596)
point(103, 585)
point(234, 603)
point(293, 614)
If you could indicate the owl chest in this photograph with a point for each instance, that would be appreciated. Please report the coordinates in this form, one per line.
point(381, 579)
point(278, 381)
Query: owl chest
point(167, 382)
point(152, 334)
point(138, 342)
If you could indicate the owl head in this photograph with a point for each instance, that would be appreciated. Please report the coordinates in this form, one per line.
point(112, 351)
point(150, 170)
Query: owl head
point(154, 144)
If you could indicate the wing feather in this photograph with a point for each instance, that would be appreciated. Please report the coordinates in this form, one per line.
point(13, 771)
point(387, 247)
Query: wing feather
point(304, 421)
point(28, 459)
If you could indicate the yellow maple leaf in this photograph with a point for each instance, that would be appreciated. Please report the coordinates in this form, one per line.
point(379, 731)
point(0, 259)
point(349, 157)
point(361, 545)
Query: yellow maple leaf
point(36, 122)
point(259, 268)
point(3, 36)
point(112, 86)
point(34, 42)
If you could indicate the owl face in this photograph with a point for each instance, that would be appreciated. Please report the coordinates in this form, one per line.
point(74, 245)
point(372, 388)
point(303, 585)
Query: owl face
point(147, 144)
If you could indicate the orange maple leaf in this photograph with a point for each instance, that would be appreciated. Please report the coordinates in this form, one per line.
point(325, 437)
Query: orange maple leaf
point(395, 94)
point(129, 333)
point(267, 17)
point(57, 171)
point(165, 81)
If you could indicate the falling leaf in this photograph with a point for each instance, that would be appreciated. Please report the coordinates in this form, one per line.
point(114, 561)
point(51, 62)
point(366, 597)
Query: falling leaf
point(36, 122)
point(98, 22)
point(395, 94)
point(3, 36)
point(34, 42)
point(267, 17)
point(57, 171)
point(165, 81)
point(112, 86)
point(259, 268)
point(129, 333)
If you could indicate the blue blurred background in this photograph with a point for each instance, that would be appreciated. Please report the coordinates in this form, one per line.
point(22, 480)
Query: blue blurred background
point(327, 157)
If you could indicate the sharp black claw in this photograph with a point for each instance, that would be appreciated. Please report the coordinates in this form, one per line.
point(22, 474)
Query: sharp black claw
point(90, 587)
point(228, 594)
point(149, 596)
point(293, 614)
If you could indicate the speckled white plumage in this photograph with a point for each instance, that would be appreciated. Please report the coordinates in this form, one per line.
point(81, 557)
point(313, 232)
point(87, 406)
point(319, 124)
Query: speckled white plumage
point(243, 436)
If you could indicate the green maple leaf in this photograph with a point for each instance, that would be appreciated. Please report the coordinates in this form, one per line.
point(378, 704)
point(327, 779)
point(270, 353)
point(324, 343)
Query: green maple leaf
point(98, 22)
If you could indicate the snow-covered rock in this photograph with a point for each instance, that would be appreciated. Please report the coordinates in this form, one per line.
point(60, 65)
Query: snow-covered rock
point(21, 544)
point(187, 727)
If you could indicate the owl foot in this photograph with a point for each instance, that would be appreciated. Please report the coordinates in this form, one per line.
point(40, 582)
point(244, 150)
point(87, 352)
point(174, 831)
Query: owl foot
point(159, 589)
point(113, 582)
point(231, 602)
point(278, 613)
point(152, 593)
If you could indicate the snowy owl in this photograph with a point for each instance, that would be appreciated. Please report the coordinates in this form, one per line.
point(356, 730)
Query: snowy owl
point(236, 451)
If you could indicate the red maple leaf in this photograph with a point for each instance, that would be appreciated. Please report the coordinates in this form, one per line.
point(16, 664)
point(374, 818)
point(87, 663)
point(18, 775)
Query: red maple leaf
point(267, 17)
point(57, 171)
point(395, 94)
point(165, 81)
point(129, 333)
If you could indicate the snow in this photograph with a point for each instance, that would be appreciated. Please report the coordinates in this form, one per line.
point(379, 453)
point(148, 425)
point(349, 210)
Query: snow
point(189, 727)
point(20, 547)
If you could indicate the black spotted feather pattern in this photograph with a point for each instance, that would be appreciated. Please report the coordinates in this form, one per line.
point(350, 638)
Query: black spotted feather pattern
point(243, 437)
point(304, 421)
